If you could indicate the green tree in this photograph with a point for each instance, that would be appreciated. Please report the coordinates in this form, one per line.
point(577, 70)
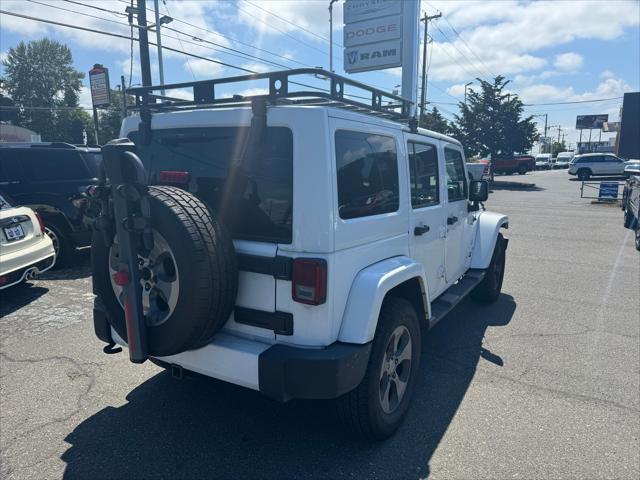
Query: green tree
point(434, 120)
point(110, 119)
point(41, 79)
point(558, 147)
point(492, 123)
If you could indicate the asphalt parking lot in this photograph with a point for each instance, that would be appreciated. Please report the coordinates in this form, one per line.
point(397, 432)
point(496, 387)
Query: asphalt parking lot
point(542, 384)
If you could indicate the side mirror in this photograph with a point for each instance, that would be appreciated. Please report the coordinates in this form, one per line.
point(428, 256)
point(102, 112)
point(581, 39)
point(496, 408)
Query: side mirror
point(478, 191)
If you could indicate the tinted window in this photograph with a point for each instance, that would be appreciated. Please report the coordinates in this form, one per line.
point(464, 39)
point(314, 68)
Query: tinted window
point(9, 165)
point(93, 161)
point(5, 202)
point(257, 204)
point(611, 158)
point(54, 165)
point(456, 180)
point(423, 171)
point(367, 168)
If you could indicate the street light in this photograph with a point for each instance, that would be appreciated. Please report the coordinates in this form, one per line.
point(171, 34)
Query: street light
point(331, 34)
point(465, 91)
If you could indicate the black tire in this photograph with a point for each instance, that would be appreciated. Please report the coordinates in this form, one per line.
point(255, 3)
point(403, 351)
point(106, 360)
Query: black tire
point(522, 169)
point(584, 174)
point(62, 243)
point(489, 288)
point(361, 410)
point(638, 237)
point(206, 267)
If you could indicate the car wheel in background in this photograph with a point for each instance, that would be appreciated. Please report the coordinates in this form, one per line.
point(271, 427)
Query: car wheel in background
point(638, 237)
point(62, 243)
point(522, 169)
point(584, 174)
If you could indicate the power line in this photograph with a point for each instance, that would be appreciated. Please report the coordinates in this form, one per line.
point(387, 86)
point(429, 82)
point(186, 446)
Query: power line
point(460, 51)
point(116, 35)
point(569, 103)
point(179, 41)
point(299, 27)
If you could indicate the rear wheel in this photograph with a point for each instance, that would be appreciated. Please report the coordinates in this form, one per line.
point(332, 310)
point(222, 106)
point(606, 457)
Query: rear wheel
point(490, 287)
point(522, 169)
point(61, 239)
point(584, 174)
point(375, 409)
point(638, 237)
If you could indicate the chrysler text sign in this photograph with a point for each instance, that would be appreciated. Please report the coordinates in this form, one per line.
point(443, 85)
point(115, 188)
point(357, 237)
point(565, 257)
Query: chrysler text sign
point(359, 10)
point(371, 31)
point(373, 56)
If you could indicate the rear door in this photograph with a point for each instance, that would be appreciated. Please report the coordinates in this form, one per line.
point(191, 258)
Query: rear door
point(427, 215)
point(458, 220)
point(11, 172)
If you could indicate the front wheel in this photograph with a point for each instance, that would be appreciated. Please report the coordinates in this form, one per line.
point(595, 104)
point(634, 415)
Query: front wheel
point(522, 169)
point(375, 409)
point(584, 175)
point(490, 287)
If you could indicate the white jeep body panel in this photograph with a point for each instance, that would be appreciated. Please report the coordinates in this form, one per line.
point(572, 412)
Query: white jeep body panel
point(489, 225)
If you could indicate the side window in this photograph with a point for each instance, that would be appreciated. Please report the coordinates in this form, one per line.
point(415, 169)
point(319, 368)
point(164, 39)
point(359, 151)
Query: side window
point(423, 170)
point(53, 165)
point(456, 180)
point(367, 166)
point(9, 166)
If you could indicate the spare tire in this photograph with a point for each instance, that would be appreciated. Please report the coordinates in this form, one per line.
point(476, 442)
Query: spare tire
point(190, 278)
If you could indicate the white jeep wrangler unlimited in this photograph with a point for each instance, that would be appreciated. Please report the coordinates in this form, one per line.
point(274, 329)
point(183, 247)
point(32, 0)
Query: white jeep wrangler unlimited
point(291, 243)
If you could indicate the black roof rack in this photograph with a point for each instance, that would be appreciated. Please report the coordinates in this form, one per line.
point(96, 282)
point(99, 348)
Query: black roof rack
point(282, 90)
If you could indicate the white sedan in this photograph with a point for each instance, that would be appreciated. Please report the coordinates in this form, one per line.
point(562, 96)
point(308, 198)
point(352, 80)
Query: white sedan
point(25, 250)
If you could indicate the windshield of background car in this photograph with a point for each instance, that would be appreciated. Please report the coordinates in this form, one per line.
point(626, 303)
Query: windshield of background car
point(259, 206)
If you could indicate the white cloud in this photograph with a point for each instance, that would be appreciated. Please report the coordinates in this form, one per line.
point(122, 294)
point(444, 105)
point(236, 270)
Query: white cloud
point(203, 68)
point(569, 61)
point(3, 56)
point(609, 88)
point(607, 74)
point(85, 97)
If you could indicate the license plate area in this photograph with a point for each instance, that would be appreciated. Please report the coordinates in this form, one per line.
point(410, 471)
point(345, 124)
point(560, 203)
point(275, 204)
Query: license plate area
point(13, 233)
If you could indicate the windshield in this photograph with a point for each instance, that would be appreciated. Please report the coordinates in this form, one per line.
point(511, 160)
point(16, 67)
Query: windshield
point(260, 206)
point(93, 161)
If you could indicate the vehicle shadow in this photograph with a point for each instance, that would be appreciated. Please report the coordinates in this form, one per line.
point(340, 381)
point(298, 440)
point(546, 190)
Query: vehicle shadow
point(79, 267)
point(600, 178)
point(202, 428)
point(505, 185)
point(18, 296)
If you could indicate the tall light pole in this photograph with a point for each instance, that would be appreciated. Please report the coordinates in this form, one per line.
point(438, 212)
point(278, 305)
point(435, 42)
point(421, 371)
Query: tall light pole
point(465, 91)
point(160, 21)
point(330, 34)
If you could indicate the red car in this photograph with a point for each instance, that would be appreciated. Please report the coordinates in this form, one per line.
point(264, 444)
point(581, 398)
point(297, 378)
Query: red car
point(517, 164)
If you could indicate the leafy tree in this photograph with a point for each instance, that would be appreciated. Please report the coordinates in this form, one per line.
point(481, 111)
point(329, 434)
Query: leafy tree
point(110, 118)
point(558, 147)
point(491, 122)
point(41, 79)
point(434, 120)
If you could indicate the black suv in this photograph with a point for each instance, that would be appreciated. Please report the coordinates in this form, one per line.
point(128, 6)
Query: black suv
point(51, 178)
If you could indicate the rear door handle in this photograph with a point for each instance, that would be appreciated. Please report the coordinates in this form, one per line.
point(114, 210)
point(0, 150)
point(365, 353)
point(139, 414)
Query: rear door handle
point(451, 220)
point(420, 230)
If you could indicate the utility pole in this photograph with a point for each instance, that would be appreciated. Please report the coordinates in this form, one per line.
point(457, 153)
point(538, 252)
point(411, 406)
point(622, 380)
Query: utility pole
point(143, 37)
point(546, 117)
point(159, 43)
point(559, 130)
point(331, 2)
point(423, 97)
point(124, 97)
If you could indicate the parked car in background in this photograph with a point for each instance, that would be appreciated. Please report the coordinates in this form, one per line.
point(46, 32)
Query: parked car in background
point(543, 161)
point(25, 250)
point(563, 159)
point(520, 164)
point(50, 178)
point(479, 171)
point(600, 164)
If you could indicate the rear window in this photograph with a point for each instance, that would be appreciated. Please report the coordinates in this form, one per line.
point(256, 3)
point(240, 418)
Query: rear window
point(260, 207)
point(5, 202)
point(93, 161)
point(367, 166)
point(53, 165)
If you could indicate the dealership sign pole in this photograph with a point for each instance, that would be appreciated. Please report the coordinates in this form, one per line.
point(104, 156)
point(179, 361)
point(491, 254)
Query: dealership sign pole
point(381, 34)
point(100, 92)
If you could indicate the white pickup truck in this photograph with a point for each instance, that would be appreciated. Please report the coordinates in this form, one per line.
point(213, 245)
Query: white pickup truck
point(294, 247)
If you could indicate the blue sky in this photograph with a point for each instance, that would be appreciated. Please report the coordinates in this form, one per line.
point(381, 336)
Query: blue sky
point(555, 51)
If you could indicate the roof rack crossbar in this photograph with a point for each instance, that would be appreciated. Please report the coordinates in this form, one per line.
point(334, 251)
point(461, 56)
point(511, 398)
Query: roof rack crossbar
point(281, 89)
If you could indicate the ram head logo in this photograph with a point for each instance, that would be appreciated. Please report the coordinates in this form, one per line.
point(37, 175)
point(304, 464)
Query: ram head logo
point(352, 56)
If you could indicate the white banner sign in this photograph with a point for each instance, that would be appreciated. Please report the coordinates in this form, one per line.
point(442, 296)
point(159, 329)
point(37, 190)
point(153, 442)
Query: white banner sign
point(370, 31)
point(373, 56)
point(359, 10)
point(99, 81)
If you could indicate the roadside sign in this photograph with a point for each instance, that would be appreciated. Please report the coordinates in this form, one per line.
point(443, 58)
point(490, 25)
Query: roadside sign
point(589, 122)
point(371, 31)
point(359, 10)
point(99, 81)
point(608, 190)
point(374, 56)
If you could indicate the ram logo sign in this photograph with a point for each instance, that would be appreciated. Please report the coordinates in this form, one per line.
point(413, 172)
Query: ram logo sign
point(373, 57)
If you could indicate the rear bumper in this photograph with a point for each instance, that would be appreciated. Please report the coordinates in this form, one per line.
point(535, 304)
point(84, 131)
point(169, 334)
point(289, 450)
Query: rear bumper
point(280, 372)
point(20, 275)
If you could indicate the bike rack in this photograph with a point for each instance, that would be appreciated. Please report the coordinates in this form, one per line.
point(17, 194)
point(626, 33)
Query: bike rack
point(588, 187)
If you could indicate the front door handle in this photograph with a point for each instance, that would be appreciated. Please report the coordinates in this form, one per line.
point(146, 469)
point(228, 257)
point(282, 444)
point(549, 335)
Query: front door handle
point(420, 230)
point(451, 220)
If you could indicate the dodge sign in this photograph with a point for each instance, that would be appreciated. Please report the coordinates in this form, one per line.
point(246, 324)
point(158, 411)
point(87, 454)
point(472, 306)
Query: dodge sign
point(376, 30)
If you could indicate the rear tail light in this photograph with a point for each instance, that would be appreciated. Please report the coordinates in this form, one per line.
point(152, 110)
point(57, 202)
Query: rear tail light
point(168, 176)
point(3, 279)
point(309, 281)
point(40, 222)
